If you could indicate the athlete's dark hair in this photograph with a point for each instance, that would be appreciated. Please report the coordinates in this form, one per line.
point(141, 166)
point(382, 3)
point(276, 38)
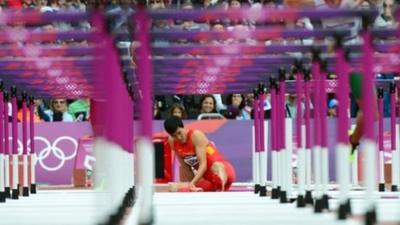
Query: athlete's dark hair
point(172, 124)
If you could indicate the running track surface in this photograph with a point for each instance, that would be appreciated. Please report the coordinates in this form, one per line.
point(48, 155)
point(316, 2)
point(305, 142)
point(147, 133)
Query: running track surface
point(69, 207)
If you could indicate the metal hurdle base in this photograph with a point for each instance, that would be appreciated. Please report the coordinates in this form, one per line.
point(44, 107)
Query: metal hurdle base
point(325, 202)
point(283, 197)
point(117, 217)
point(148, 223)
point(263, 191)
point(15, 194)
point(318, 207)
point(370, 217)
point(7, 192)
point(129, 199)
point(114, 219)
point(151, 221)
point(25, 191)
point(308, 199)
point(274, 193)
point(2, 197)
point(342, 212)
point(256, 188)
point(394, 188)
point(33, 188)
point(127, 202)
point(301, 203)
point(381, 187)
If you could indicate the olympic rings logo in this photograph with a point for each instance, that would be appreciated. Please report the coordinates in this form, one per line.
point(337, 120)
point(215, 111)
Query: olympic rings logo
point(51, 149)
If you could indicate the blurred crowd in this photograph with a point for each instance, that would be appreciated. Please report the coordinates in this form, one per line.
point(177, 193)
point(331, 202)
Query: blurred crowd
point(216, 106)
point(56, 110)
point(239, 105)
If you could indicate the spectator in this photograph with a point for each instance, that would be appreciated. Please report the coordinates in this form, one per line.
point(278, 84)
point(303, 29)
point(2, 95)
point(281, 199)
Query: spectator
point(208, 104)
point(291, 106)
point(386, 18)
point(79, 109)
point(354, 24)
point(111, 5)
point(156, 4)
point(55, 5)
point(38, 115)
point(29, 4)
point(123, 13)
point(234, 4)
point(177, 110)
point(248, 99)
point(59, 111)
point(157, 110)
point(270, 4)
point(219, 103)
point(332, 108)
point(235, 109)
point(218, 27)
point(40, 109)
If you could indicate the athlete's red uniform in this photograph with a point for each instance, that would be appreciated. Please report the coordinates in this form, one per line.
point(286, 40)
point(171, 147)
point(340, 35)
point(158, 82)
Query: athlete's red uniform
point(210, 181)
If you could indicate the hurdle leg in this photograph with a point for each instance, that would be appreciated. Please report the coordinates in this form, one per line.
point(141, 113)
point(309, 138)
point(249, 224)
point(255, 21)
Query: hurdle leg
point(309, 198)
point(263, 162)
point(325, 177)
point(381, 171)
point(301, 177)
point(354, 165)
point(395, 169)
point(33, 173)
point(342, 171)
point(395, 162)
point(279, 173)
point(263, 173)
point(283, 173)
point(307, 169)
point(7, 189)
point(146, 176)
point(132, 170)
point(15, 192)
point(369, 147)
point(274, 193)
point(354, 169)
point(255, 164)
point(289, 152)
point(301, 170)
point(257, 172)
point(25, 189)
point(2, 190)
point(317, 174)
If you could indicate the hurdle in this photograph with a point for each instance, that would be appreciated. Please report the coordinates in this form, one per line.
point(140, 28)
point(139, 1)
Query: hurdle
point(143, 209)
point(25, 190)
point(343, 148)
point(6, 146)
point(262, 143)
point(274, 142)
point(256, 141)
point(394, 129)
point(2, 152)
point(32, 152)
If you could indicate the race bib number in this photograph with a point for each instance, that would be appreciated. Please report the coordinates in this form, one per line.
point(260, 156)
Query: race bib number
point(191, 160)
